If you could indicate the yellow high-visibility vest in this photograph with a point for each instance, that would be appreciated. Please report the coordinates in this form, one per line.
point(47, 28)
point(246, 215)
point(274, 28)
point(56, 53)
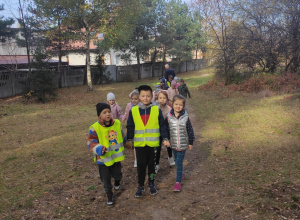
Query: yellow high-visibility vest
point(111, 138)
point(149, 134)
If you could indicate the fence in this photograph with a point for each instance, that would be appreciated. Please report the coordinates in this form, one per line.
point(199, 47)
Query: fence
point(13, 83)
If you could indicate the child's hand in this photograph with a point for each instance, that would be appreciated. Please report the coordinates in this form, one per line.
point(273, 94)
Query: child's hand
point(190, 147)
point(166, 143)
point(104, 150)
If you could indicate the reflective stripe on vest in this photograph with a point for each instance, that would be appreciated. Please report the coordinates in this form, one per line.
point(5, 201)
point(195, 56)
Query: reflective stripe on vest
point(149, 134)
point(111, 138)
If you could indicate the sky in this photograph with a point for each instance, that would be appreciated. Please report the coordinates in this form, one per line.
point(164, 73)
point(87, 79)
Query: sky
point(10, 9)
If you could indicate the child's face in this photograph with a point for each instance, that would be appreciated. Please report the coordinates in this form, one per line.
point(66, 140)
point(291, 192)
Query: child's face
point(170, 78)
point(111, 102)
point(145, 97)
point(181, 83)
point(105, 115)
point(162, 99)
point(135, 99)
point(178, 106)
point(173, 86)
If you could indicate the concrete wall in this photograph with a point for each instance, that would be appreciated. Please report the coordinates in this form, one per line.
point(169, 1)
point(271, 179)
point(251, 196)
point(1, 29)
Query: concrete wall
point(13, 83)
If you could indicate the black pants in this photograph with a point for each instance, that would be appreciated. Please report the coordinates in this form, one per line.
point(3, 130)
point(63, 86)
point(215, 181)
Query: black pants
point(145, 158)
point(106, 173)
point(158, 150)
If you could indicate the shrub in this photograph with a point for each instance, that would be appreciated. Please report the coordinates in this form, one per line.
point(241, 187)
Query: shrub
point(40, 83)
point(287, 83)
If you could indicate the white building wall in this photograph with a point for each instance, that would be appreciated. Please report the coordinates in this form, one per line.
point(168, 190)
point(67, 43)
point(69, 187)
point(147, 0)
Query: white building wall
point(111, 58)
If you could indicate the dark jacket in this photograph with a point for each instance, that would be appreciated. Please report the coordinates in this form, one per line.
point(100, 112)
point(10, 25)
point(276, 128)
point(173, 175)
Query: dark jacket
point(184, 91)
point(145, 113)
point(168, 72)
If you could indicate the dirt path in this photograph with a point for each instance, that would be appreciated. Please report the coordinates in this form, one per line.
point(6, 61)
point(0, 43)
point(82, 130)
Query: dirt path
point(85, 199)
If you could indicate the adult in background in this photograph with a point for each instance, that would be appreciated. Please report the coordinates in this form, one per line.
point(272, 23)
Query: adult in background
point(169, 71)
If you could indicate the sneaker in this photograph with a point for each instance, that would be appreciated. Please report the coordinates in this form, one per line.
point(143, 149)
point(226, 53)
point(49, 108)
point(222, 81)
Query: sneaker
point(171, 161)
point(157, 168)
point(139, 192)
point(109, 201)
point(153, 190)
point(135, 164)
point(177, 187)
point(117, 185)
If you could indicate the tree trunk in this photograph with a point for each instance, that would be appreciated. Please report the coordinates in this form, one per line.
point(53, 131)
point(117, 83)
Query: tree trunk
point(164, 61)
point(88, 61)
point(139, 64)
point(26, 38)
point(59, 57)
point(153, 62)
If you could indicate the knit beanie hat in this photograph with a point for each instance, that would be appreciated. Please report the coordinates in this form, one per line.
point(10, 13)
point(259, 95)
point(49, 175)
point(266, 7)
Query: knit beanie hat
point(111, 96)
point(173, 83)
point(101, 106)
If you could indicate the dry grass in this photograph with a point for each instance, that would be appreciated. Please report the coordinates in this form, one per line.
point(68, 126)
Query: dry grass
point(255, 150)
point(251, 141)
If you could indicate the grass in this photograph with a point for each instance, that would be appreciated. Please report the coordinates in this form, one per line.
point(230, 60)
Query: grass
point(256, 144)
point(252, 144)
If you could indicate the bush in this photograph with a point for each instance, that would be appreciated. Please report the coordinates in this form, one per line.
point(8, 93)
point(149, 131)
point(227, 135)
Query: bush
point(287, 83)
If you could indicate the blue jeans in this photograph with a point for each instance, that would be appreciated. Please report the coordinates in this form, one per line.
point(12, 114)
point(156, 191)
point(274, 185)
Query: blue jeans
point(179, 156)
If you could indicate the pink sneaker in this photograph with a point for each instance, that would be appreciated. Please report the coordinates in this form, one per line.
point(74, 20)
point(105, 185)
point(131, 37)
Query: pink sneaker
point(177, 187)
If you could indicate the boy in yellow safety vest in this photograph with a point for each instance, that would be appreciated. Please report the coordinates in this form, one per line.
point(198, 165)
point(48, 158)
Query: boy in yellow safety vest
point(145, 125)
point(105, 139)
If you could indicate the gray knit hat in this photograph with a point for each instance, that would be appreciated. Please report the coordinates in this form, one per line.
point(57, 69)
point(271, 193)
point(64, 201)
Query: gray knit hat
point(111, 96)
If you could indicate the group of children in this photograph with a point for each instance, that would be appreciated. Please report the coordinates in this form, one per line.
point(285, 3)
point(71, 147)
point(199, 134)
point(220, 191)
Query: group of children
point(152, 121)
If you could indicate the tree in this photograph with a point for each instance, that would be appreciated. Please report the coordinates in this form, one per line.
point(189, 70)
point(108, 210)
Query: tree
point(140, 40)
point(26, 22)
point(5, 30)
point(180, 21)
point(51, 17)
point(217, 17)
point(93, 16)
point(41, 79)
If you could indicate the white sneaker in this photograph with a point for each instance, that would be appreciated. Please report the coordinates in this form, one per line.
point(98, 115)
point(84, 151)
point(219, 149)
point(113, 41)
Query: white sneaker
point(171, 161)
point(135, 164)
point(157, 168)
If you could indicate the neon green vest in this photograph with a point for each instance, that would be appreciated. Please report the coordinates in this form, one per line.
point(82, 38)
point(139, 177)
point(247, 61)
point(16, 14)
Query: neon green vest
point(168, 83)
point(149, 134)
point(111, 138)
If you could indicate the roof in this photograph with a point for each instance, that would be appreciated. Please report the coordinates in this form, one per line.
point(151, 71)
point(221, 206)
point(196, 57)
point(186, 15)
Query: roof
point(10, 60)
point(20, 59)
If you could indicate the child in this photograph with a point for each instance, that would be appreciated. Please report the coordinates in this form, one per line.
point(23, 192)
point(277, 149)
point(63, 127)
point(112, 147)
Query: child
point(163, 100)
point(181, 135)
point(170, 79)
point(172, 91)
point(177, 79)
point(183, 89)
point(155, 94)
point(106, 141)
point(134, 96)
point(145, 125)
point(115, 108)
point(163, 84)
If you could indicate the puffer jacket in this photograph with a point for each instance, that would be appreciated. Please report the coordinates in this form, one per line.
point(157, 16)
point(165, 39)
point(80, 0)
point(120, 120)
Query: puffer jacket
point(180, 130)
